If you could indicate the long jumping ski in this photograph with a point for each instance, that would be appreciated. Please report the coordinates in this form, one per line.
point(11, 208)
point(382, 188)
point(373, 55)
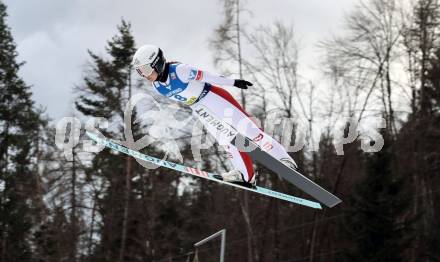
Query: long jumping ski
point(199, 173)
point(289, 174)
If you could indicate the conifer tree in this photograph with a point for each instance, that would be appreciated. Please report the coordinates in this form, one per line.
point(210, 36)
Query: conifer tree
point(105, 93)
point(432, 156)
point(20, 123)
point(376, 221)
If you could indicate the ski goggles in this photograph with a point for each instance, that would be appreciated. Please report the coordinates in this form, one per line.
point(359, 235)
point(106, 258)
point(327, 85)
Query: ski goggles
point(145, 70)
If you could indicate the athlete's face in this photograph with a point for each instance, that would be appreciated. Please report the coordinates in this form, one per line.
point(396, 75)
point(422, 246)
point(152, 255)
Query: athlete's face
point(153, 76)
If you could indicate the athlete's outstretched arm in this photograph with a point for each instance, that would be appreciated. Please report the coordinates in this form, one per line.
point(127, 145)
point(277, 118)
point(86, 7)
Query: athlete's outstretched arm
point(220, 80)
point(192, 73)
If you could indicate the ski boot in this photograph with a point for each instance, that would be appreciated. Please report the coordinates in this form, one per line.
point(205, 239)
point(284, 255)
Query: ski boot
point(236, 177)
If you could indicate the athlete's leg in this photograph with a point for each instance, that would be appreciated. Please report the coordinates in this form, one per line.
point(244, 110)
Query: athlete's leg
point(241, 121)
point(241, 161)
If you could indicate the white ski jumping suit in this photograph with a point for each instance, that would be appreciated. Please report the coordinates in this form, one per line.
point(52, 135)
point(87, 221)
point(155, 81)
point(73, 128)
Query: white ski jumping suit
point(200, 90)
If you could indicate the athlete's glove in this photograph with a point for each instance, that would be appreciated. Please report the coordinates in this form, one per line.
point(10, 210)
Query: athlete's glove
point(243, 84)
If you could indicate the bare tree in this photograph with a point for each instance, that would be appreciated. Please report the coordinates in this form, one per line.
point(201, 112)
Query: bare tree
point(228, 51)
point(227, 40)
point(367, 52)
point(281, 90)
point(276, 64)
point(360, 68)
point(421, 41)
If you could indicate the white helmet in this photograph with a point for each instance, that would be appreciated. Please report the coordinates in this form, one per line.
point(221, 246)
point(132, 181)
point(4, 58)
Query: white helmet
point(148, 58)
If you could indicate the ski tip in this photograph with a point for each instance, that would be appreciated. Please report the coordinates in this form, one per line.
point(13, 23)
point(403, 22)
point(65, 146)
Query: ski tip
point(335, 203)
point(312, 204)
point(91, 135)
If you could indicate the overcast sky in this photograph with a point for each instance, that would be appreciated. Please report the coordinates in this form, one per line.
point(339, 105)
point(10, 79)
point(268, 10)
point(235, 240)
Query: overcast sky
point(53, 36)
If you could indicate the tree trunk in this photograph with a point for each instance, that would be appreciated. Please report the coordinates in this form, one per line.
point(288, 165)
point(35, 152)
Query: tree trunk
point(126, 207)
point(92, 224)
point(390, 105)
point(5, 225)
point(313, 240)
point(247, 220)
point(243, 99)
point(245, 208)
point(73, 207)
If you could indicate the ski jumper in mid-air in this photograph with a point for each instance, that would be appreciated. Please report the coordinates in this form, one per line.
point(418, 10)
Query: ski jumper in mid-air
point(202, 92)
